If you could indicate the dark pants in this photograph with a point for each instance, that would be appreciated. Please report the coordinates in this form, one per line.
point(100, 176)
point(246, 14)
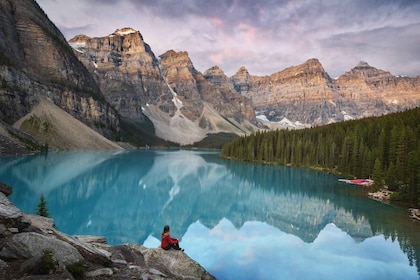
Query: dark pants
point(174, 246)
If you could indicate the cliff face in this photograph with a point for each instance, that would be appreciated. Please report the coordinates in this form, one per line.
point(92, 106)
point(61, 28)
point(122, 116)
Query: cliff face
point(299, 93)
point(178, 99)
point(213, 87)
point(181, 75)
point(127, 71)
point(231, 104)
point(366, 83)
point(306, 94)
point(37, 63)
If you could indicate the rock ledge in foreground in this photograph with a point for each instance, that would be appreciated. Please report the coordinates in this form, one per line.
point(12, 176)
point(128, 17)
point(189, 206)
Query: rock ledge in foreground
point(24, 237)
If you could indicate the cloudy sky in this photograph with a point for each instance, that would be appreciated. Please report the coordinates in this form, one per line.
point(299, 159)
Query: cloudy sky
point(264, 36)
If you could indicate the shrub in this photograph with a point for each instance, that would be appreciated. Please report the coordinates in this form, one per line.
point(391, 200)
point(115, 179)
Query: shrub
point(48, 263)
point(77, 269)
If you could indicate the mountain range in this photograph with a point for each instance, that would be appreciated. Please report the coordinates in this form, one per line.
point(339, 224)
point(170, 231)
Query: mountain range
point(118, 89)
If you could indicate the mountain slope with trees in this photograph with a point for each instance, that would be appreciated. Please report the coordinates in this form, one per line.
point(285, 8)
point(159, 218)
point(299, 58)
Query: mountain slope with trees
point(386, 149)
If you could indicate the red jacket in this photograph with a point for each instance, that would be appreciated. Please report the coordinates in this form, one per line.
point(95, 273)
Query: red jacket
point(167, 239)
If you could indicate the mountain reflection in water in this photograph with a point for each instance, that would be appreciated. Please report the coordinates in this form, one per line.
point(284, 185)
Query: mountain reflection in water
point(239, 220)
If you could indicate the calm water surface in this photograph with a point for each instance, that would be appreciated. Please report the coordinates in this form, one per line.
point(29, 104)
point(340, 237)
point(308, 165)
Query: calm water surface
point(238, 220)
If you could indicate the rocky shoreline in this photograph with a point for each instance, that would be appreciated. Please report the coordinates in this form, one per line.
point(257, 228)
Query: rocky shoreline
point(29, 243)
point(414, 213)
point(384, 195)
point(381, 195)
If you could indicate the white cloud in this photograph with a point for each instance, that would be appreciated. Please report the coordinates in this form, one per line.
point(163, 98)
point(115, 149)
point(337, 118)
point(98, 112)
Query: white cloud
point(264, 36)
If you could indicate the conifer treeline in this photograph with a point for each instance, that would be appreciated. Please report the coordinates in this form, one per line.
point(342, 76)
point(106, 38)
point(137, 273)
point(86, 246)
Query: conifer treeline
point(386, 149)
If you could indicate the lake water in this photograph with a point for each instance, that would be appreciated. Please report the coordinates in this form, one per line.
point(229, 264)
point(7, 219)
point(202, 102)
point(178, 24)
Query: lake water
point(238, 220)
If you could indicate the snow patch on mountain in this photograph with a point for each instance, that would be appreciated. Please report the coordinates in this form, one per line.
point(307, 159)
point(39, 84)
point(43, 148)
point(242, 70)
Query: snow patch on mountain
point(287, 122)
point(124, 31)
point(347, 117)
point(78, 46)
point(282, 124)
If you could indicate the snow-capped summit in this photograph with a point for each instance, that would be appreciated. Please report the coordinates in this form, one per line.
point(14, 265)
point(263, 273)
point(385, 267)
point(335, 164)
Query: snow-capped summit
point(124, 31)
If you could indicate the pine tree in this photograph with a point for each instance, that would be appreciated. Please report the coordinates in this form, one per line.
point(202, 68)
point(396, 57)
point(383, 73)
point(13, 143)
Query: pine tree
point(377, 176)
point(41, 208)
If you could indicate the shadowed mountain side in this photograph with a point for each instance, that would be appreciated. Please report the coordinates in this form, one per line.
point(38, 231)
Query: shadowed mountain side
point(59, 130)
point(37, 62)
point(14, 142)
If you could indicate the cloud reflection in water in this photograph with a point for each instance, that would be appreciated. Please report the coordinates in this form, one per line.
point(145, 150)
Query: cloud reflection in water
point(260, 251)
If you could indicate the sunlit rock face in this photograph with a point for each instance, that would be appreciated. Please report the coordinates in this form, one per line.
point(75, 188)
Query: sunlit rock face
point(126, 70)
point(384, 91)
point(228, 101)
point(176, 97)
point(299, 93)
point(181, 77)
point(307, 94)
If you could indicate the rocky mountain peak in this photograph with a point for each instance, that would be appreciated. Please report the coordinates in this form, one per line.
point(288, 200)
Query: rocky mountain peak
point(242, 71)
point(127, 71)
point(365, 83)
point(311, 66)
point(173, 56)
point(124, 31)
point(181, 59)
point(241, 81)
point(203, 94)
point(364, 71)
point(78, 39)
point(215, 70)
point(217, 77)
point(363, 64)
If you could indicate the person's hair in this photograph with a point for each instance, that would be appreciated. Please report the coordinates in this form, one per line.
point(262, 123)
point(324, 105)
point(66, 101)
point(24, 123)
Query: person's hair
point(165, 230)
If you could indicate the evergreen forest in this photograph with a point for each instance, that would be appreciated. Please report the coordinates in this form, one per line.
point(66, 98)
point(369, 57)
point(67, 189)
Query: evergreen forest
point(385, 149)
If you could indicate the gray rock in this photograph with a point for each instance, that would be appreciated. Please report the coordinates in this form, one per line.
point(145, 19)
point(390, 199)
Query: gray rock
point(31, 265)
point(13, 230)
point(7, 209)
point(129, 253)
point(91, 239)
point(175, 264)
point(156, 272)
point(3, 264)
point(11, 216)
point(30, 244)
point(3, 229)
point(5, 189)
point(45, 224)
point(156, 263)
point(100, 272)
point(90, 253)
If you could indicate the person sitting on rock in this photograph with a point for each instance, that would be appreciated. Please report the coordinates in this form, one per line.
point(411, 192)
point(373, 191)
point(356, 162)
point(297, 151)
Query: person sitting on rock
point(167, 241)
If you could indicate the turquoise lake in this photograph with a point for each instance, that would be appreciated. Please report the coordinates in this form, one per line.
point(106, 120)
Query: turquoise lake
point(238, 220)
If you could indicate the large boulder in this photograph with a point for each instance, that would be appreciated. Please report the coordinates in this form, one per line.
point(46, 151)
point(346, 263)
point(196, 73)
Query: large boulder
point(90, 253)
point(26, 245)
point(174, 264)
point(10, 216)
point(156, 262)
